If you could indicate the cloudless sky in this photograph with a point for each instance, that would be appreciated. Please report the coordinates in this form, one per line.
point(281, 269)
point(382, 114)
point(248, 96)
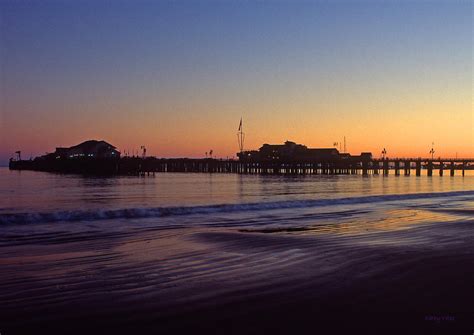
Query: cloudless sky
point(177, 76)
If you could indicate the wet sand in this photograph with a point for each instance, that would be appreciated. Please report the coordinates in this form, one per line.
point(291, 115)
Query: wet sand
point(404, 278)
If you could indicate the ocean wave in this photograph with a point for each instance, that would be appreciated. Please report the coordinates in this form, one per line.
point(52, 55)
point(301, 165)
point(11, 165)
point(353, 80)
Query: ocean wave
point(151, 212)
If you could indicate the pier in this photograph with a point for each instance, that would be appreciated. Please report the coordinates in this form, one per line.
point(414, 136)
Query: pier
point(289, 158)
point(153, 165)
point(399, 166)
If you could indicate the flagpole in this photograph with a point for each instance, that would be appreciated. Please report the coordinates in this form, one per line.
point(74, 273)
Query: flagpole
point(241, 136)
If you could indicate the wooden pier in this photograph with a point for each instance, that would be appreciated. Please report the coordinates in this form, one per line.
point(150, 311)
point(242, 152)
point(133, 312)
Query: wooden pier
point(152, 165)
point(399, 166)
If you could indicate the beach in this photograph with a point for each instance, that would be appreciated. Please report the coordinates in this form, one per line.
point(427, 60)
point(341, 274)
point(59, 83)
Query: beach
point(378, 264)
point(236, 167)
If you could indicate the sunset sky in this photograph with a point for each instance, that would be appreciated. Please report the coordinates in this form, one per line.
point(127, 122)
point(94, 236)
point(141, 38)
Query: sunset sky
point(176, 76)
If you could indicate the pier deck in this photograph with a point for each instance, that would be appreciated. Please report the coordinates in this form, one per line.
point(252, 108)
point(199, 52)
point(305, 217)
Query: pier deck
point(152, 165)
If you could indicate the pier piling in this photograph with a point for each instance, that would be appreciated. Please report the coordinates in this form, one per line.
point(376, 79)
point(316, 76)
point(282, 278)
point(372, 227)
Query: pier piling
point(430, 168)
point(418, 168)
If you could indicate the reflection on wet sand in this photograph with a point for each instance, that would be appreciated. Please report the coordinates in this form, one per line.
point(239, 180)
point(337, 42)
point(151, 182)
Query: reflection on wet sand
point(389, 220)
point(368, 268)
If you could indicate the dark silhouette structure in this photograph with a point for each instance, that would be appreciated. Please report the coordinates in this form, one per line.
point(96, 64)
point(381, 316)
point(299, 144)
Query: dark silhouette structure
point(290, 151)
point(102, 158)
point(89, 157)
point(91, 148)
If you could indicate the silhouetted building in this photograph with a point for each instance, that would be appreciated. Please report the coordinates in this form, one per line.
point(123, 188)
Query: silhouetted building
point(281, 151)
point(364, 156)
point(290, 151)
point(91, 149)
point(321, 154)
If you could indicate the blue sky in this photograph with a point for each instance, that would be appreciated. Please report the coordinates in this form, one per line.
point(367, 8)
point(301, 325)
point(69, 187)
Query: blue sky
point(177, 75)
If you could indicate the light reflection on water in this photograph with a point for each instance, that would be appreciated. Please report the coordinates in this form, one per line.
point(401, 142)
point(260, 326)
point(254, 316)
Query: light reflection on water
point(69, 238)
point(43, 202)
point(36, 191)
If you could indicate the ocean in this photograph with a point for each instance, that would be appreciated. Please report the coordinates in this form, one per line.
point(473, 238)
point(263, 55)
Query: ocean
point(241, 253)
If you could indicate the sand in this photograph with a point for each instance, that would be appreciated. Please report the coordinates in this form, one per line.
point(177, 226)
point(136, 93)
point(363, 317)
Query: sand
point(414, 278)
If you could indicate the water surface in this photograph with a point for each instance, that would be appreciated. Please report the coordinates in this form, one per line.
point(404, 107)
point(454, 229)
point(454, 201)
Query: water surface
point(180, 251)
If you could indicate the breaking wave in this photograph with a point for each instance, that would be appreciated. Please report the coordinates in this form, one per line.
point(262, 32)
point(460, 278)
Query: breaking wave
point(151, 212)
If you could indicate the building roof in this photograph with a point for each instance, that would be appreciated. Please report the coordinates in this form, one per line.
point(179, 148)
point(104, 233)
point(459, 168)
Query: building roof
point(88, 145)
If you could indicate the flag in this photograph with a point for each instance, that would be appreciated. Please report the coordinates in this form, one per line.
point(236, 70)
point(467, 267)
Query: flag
point(240, 124)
